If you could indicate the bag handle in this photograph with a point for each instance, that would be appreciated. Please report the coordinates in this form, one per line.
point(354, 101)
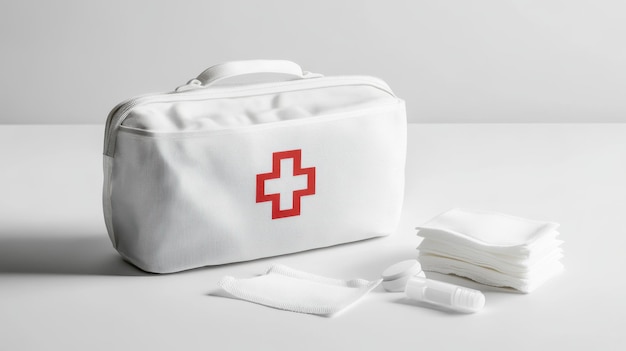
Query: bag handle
point(232, 69)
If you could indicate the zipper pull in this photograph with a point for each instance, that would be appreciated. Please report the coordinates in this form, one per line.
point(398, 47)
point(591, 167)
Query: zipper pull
point(191, 85)
point(308, 75)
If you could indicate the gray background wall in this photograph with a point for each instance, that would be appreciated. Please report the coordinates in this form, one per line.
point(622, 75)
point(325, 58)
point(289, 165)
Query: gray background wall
point(453, 61)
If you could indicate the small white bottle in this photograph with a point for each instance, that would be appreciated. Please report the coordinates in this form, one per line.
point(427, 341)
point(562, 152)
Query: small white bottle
point(444, 294)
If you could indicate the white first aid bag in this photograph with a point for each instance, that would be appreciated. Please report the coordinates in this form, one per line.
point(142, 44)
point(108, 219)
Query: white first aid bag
point(222, 170)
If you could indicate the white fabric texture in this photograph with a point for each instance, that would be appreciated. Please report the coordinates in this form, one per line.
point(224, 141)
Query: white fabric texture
point(292, 290)
point(219, 114)
point(181, 181)
point(491, 248)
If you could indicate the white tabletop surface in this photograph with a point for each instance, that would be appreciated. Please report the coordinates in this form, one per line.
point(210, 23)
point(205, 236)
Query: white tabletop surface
point(63, 286)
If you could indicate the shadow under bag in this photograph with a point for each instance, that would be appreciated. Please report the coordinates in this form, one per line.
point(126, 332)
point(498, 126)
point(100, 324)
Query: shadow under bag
point(221, 170)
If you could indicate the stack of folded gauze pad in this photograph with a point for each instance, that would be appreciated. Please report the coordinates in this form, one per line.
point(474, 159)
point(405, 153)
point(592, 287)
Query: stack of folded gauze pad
point(491, 248)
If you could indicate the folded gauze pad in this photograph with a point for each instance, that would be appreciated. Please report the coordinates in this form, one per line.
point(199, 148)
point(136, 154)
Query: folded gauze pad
point(292, 290)
point(491, 248)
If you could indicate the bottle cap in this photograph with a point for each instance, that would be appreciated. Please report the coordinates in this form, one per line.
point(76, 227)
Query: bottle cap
point(396, 276)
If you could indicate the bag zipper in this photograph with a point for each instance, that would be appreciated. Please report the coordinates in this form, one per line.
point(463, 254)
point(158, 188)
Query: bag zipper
point(194, 92)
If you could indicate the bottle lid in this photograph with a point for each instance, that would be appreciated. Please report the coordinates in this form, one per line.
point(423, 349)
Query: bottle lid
point(396, 276)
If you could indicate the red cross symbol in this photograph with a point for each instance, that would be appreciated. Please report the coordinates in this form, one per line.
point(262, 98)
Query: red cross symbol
point(286, 184)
